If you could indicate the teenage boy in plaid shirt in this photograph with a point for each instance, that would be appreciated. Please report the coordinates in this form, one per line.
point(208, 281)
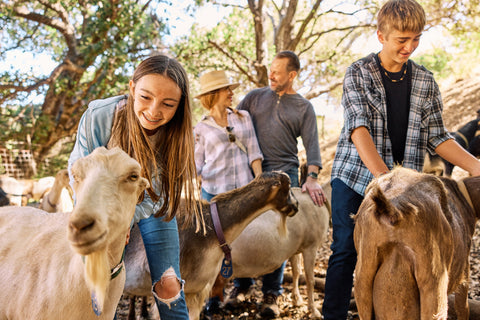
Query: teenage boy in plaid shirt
point(392, 116)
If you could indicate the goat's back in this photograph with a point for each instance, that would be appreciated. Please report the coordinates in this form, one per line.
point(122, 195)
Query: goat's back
point(412, 234)
point(33, 246)
point(14, 189)
point(138, 281)
point(22, 227)
point(261, 248)
point(41, 186)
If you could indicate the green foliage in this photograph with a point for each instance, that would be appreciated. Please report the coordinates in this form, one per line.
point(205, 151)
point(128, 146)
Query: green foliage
point(16, 123)
point(323, 43)
point(95, 44)
point(58, 161)
point(456, 57)
point(201, 50)
point(437, 62)
point(458, 17)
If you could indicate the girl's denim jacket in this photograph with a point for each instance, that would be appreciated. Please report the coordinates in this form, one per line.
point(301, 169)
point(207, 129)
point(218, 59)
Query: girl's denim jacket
point(94, 130)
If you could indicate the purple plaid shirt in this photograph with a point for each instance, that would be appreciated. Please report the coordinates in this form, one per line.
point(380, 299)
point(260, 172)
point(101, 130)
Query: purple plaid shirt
point(221, 163)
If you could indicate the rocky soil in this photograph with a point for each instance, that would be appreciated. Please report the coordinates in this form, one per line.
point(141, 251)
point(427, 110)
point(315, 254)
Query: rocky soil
point(461, 101)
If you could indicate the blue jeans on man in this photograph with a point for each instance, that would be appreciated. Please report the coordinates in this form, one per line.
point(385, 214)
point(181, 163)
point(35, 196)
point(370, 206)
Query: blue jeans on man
point(341, 265)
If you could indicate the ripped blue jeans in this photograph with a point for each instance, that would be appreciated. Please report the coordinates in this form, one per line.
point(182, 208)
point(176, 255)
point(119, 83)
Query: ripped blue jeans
point(163, 253)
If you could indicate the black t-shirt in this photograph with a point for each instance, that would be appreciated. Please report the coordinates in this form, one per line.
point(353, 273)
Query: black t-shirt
point(397, 87)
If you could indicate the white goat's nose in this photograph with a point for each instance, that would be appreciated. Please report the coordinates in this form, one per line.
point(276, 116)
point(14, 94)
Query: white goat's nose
point(81, 224)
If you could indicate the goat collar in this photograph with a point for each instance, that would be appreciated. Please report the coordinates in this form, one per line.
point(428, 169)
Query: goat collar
point(115, 271)
point(464, 191)
point(226, 270)
point(54, 206)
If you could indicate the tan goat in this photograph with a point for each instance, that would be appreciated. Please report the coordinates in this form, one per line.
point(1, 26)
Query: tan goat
point(261, 248)
point(58, 198)
point(413, 234)
point(433, 165)
point(54, 265)
point(20, 191)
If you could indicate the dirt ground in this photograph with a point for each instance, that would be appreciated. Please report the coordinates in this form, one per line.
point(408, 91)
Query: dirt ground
point(461, 101)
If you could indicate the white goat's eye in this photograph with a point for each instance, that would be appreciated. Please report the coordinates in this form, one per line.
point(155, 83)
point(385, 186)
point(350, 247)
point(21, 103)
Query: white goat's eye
point(133, 177)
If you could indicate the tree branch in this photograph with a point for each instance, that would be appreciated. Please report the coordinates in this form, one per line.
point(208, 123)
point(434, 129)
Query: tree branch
point(234, 61)
point(285, 25)
point(62, 24)
point(259, 63)
point(296, 40)
point(67, 65)
point(317, 92)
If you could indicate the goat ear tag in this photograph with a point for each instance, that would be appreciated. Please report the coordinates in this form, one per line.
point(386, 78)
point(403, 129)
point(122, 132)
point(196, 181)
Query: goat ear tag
point(227, 269)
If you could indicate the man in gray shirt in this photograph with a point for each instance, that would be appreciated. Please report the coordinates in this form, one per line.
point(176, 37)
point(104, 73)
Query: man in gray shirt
point(280, 115)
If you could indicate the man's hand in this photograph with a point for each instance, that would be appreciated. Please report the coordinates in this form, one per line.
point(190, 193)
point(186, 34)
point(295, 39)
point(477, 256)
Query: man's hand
point(315, 191)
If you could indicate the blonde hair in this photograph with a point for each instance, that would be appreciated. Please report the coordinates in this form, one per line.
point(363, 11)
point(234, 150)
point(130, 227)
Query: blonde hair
point(401, 15)
point(209, 99)
point(170, 163)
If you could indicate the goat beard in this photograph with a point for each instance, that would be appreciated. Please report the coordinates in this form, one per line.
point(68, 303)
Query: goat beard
point(282, 226)
point(97, 275)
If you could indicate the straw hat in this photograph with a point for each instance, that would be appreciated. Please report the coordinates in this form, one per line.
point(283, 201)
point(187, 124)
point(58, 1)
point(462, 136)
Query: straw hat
point(214, 80)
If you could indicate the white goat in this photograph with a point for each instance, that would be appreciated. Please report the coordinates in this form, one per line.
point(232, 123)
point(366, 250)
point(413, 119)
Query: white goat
point(58, 198)
point(261, 249)
point(4, 201)
point(40, 186)
point(201, 255)
point(54, 266)
point(19, 191)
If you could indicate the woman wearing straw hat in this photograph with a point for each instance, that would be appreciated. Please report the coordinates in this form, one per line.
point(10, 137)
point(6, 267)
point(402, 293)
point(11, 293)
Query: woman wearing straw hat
point(227, 155)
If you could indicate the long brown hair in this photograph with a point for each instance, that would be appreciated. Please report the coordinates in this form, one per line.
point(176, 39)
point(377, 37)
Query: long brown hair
point(170, 163)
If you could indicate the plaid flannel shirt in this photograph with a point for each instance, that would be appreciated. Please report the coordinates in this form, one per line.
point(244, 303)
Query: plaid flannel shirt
point(221, 163)
point(365, 104)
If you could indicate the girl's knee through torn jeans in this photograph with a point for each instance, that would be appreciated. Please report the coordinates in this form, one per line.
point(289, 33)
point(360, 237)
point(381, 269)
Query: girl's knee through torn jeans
point(163, 253)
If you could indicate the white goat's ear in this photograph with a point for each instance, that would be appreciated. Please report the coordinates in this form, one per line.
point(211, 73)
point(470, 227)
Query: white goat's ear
point(143, 184)
point(77, 173)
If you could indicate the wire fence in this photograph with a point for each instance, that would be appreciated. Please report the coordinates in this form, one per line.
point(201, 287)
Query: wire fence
point(17, 163)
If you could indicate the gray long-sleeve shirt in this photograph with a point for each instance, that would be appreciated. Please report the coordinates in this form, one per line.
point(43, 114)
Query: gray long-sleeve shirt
point(278, 122)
